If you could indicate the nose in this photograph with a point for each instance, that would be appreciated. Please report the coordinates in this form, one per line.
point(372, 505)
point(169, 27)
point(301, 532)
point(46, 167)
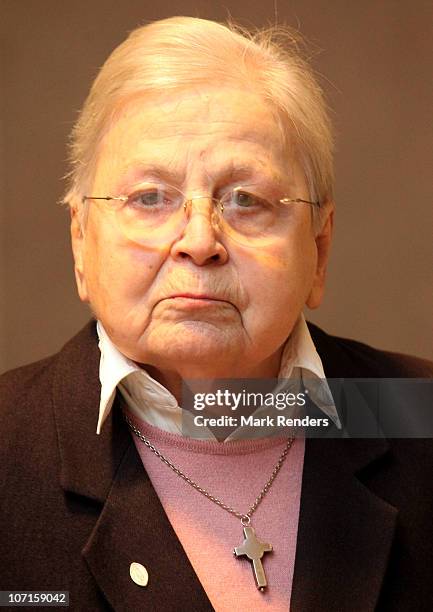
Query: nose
point(200, 240)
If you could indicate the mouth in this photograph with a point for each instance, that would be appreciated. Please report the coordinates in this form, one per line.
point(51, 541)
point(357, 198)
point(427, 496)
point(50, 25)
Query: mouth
point(187, 300)
point(196, 296)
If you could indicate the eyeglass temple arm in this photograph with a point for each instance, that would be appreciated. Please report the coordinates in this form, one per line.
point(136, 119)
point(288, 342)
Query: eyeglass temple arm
point(122, 198)
point(290, 200)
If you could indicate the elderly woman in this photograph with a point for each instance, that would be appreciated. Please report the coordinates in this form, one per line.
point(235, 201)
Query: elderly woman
point(201, 207)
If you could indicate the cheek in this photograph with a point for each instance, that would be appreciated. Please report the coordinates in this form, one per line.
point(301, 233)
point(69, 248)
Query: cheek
point(279, 281)
point(119, 277)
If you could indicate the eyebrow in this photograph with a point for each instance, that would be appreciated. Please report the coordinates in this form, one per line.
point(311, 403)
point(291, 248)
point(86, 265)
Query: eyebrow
point(141, 169)
point(137, 170)
point(238, 171)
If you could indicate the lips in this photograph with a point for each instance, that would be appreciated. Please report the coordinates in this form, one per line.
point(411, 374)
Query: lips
point(192, 300)
point(196, 296)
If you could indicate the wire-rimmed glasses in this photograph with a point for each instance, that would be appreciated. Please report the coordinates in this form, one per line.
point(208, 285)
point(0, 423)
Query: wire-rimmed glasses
point(156, 213)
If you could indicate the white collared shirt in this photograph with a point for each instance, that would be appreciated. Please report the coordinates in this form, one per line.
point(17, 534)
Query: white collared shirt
point(153, 403)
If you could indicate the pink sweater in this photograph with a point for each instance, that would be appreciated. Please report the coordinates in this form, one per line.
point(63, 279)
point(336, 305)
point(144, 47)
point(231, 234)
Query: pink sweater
point(235, 472)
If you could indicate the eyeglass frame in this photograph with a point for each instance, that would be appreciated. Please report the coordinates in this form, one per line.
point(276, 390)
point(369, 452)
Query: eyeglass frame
point(217, 202)
point(125, 198)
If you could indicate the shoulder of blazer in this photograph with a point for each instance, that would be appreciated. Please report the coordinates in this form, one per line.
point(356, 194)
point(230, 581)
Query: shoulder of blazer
point(33, 380)
point(26, 393)
point(350, 358)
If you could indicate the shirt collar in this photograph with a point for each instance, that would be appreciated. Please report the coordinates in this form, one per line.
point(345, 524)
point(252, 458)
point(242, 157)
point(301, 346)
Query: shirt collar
point(114, 368)
point(152, 402)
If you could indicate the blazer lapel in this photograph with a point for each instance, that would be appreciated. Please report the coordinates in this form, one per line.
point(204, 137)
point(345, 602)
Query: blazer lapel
point(345, 531)
point(106, 470)
point(133, 527)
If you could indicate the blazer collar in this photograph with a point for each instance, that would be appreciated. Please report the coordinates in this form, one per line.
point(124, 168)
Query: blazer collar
point(344, 535)
point(88, 461)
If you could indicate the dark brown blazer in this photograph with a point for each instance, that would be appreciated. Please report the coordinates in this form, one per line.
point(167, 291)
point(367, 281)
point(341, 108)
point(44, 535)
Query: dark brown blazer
point(76, 509)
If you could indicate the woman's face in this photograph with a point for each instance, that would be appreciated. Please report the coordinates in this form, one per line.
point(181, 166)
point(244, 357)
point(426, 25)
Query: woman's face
point(200, 303)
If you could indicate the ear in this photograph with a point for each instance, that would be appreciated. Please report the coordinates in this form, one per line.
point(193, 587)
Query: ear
point(323, 245)
point(78, 242)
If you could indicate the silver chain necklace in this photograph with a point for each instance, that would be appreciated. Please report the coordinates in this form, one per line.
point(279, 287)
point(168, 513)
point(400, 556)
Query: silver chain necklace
point(251, 547)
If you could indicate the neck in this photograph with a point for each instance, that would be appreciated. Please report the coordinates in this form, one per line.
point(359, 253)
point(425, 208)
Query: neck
point(211, 377)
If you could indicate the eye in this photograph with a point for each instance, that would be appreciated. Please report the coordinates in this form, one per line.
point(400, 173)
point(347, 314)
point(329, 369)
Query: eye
point(145, 199)
point(152, 197)
point(245, 199)
point(148, 198)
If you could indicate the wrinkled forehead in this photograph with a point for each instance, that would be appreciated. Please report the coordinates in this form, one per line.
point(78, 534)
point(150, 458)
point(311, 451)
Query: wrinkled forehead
point(213, 128)
point(199, 111)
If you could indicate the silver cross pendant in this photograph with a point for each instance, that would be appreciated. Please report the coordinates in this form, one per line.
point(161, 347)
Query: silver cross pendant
point(254, 550)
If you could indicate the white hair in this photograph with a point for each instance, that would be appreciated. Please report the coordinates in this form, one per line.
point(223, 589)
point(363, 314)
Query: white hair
point(183, 52)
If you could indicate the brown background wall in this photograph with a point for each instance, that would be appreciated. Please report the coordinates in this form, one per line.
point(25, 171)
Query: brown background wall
point(377, 62)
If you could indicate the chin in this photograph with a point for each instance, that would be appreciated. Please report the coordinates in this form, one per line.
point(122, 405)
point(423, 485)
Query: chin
point(193, 345)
